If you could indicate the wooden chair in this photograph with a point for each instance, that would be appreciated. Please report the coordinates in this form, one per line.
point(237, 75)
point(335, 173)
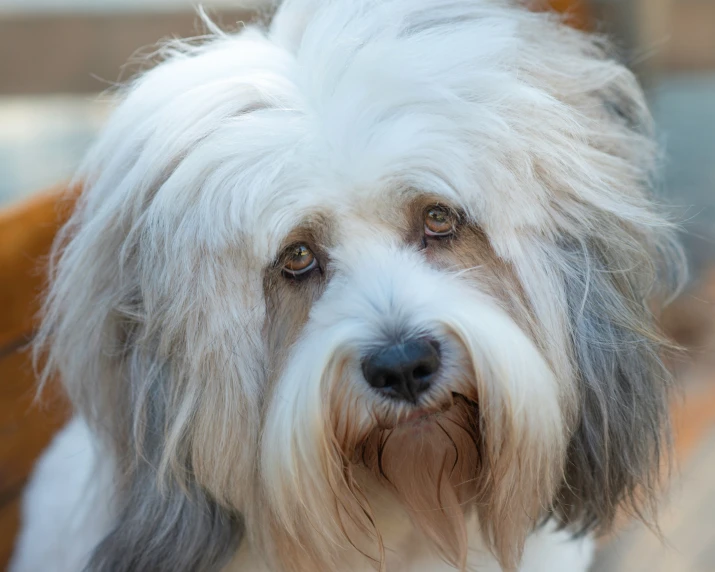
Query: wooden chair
point(26, 234)
point(578, 12)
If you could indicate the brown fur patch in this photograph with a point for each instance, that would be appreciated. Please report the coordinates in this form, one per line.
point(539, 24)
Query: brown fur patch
point(288, 301)
point(469, 251)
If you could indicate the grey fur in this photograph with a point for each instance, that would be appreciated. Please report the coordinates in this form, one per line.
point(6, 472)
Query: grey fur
point(624, 109)
point(616, 453)
point(165, 520)
point(163, 525)
point(166, 530)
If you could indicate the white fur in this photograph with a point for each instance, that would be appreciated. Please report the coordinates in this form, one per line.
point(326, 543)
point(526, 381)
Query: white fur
point(67, 505)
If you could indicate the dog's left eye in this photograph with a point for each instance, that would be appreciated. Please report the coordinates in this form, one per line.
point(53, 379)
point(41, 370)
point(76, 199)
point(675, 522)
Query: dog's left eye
point(439, 222)
point(299, 260)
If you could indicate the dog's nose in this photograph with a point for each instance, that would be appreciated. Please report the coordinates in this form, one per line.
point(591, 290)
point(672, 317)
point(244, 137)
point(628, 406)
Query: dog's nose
point(403, 371)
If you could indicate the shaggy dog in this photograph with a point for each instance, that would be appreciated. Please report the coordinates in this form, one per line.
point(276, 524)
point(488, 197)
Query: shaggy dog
point(369, 288)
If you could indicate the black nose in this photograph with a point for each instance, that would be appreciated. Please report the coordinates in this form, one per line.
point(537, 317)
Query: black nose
point(403, 371)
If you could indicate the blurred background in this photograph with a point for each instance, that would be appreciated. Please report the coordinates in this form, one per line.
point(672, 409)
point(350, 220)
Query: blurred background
point(59, 58)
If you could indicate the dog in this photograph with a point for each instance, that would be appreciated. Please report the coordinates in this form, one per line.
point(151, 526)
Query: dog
point(372, 286)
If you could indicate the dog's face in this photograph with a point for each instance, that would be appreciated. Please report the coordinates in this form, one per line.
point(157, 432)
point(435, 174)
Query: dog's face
point(398, 341)
point(405, 249)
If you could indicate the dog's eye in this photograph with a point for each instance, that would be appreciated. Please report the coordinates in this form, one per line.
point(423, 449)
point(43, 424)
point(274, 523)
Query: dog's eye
point(298, 261)
point(439, 222)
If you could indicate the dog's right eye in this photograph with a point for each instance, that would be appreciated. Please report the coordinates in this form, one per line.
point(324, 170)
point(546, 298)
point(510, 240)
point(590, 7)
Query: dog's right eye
point(299, 261)
point(440, 222)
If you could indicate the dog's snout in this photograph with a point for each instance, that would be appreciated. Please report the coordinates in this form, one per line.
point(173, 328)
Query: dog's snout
point(405, 370)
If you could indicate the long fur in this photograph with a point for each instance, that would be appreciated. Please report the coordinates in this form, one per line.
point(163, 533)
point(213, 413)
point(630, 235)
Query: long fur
point(230, 418)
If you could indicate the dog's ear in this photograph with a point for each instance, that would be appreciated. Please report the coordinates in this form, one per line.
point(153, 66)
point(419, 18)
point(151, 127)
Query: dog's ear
point(149, 373)
point(615, 455)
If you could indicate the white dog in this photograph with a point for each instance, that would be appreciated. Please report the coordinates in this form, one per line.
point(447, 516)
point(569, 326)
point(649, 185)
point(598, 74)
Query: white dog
point(368, 289)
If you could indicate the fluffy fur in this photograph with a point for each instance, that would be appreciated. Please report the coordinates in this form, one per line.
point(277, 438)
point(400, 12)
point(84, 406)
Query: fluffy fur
point(228, 401)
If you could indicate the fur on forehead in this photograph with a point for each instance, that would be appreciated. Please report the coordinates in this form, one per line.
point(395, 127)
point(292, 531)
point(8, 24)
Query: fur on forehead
point(493, 106)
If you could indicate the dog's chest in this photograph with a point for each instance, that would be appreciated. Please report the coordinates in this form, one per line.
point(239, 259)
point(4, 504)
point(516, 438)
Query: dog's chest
point(405, 549)
point(547, 550)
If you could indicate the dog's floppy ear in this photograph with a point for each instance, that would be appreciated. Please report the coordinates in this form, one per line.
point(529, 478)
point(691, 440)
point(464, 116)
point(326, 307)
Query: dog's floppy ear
point(615, 455)
point(145, 361)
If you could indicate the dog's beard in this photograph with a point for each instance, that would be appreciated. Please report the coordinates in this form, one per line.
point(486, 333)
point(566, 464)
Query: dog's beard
point(431, 463)
point(428, 459)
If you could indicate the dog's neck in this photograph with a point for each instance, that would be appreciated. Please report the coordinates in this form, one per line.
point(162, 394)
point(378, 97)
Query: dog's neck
point(407, 550)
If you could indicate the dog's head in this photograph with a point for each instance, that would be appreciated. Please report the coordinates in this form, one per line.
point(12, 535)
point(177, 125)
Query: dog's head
point(402, 246)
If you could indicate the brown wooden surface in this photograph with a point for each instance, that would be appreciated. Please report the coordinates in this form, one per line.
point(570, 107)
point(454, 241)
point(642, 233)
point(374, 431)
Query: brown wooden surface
point(26, 233)
point(578, 11)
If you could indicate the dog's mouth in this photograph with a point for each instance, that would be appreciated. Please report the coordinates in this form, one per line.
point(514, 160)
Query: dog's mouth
point(420, 416)
point(428, 455)
point(443, 427)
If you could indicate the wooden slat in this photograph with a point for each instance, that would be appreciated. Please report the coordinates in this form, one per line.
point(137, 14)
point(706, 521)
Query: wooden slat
point(69, 53)
point(26, 233)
